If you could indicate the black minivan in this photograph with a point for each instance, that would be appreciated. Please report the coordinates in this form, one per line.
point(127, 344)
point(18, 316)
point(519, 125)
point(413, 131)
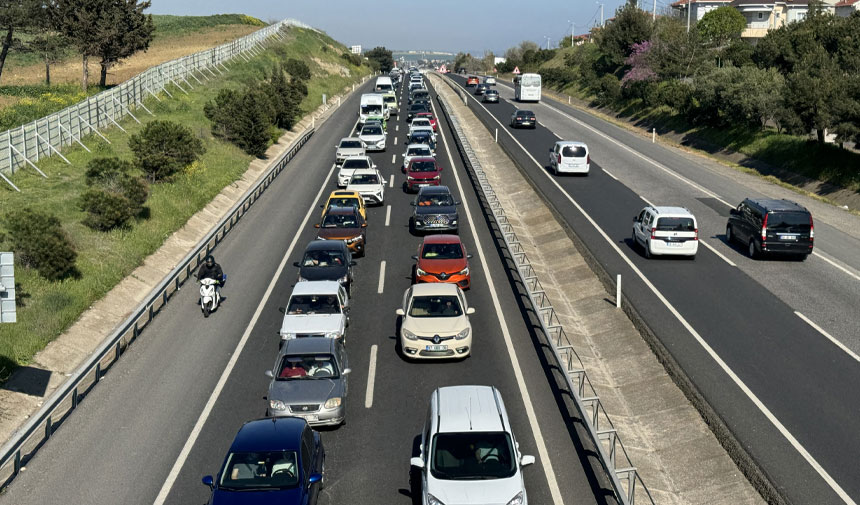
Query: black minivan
point(767, 226)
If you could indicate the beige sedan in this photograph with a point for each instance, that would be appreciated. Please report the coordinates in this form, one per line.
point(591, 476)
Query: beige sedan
point(435, 322)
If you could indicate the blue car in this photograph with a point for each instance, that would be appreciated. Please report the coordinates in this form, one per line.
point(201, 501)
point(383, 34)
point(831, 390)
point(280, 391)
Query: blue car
point(274, 460)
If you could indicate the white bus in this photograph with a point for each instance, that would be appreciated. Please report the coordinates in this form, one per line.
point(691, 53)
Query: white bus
point(383, 84)
point(527, 88)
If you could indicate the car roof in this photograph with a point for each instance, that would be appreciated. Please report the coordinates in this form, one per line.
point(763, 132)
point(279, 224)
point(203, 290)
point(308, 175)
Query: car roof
point(468, 408)
point(342, 193)
point(422, 158)
point(325, 245)
point(307, 345)
point(434, 189)
point(434, 288)
point(524, 111)
point(571, 143)
point(360, 157)
point(316, 288)
point(269, 434)
point(771, 204)
point(669, 211)
point(414, 146)
point(442, 238)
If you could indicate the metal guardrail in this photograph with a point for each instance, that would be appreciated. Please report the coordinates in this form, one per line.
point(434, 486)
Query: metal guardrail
point(26, 441)
point(625, 479)
point(27, 144)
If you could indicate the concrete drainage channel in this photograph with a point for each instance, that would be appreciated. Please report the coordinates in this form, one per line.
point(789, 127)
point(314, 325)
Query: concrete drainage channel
point(678, 455)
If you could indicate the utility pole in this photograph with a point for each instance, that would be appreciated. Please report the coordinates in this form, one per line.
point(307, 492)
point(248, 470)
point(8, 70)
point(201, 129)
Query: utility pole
point(689, 8)
point(654, 12)
point(602, 23)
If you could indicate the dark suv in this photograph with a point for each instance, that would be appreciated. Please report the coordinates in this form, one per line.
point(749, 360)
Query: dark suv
point(771, 226)
point(435, 210)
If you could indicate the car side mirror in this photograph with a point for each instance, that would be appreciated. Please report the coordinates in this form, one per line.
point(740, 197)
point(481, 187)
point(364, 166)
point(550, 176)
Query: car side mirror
point(635, 219)
point(400, 312)
point(314, 478)
point(269, 374)
point(457, 202)
point(417, 462)
point(346, 371)
point(364, 225)
point(733, 212)
point(415, 257)
point(412, 204)
point(316, 225)
point(282, 310)
point(208, 481)
point(296, 264)
point(468, 256)
point(470, 311)
point(353, 263)
point(527, 460)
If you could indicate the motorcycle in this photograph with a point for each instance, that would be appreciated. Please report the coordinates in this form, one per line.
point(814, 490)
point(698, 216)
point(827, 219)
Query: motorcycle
point(210, 299)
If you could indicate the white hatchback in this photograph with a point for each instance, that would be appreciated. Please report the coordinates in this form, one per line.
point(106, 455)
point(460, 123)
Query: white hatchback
point(568, 157)
point(369, 184)
point(666, 231)
point(435, 322)
point(468, 452)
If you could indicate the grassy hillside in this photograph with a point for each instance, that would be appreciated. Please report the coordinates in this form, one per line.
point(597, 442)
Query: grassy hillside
point(166, 26)
point(106, 258)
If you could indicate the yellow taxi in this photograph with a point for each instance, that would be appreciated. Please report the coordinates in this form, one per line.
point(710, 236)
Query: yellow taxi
point(342, 198)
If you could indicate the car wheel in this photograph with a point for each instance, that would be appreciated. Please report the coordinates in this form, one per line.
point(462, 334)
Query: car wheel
point(751, 250)
point(633, 237)
point(729, 234)
point(647, 249)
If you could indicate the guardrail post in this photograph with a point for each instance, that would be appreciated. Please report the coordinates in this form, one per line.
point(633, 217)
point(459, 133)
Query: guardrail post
point(618, 291)
point(653, 135)
point(497, 135)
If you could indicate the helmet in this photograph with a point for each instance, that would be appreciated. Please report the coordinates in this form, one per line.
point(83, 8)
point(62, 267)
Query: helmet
point(210, 260)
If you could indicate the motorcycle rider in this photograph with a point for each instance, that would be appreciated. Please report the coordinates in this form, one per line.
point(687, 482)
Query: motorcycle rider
point(211, 270)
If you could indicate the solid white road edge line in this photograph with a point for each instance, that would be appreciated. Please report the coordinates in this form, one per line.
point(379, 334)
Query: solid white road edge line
point(545, 461)
point(219, 386)
point(819, 329)
point(388, 214)
point(381, 277)
point(371, 376)
point(716, 357)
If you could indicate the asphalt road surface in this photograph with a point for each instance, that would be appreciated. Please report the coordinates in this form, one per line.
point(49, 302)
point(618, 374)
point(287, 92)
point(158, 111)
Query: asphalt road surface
point(167, 411)
point(735, 325)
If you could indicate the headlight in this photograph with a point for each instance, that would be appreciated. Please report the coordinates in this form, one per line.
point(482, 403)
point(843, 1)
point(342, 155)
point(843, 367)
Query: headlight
point(353, 239)
point(332, 403)
point(345, 279)
point(408, 335)
point(332, 334)
point(464, 271)
point(302, 279)
point(420, 272)
point(277, 405)
point(432, 500)
point(437, 177)
point(320, 237)
point(287, 336)
point(410, 178)
point(517, 500)
point(463, 334)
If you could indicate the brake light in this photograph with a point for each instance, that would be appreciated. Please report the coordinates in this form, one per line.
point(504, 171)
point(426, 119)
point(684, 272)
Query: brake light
point(652, 232)
point(588, 159)
point(559, 158)
point(811, 229)
point(697, 235)
point(764, 229)
point(532, 118)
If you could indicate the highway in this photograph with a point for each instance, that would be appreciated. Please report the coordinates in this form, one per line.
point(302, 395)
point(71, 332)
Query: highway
point(165, 414)
point(739, 328)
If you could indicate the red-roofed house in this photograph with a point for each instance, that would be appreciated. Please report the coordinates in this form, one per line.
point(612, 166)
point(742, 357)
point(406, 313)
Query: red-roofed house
point(846, 7)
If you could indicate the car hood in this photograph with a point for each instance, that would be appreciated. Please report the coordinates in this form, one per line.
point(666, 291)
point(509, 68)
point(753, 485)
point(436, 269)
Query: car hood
point(303, 391)
point(323, 273)
point(433, 210)
point(365, 188)
point(292, 495)
point(429, 326)
point(439, 266)
point(338, 233)
point(312, 323)
point(475, 492)
point(371, 138)
point(350, 151)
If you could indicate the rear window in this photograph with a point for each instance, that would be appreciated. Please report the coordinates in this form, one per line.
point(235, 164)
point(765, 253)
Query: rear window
point(351, 144)
point(676, 224)
point(573, 152)
point(794, 220)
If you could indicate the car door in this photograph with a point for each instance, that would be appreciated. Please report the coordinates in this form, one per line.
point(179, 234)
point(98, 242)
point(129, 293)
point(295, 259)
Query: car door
point(637, 226)
point(309, 465)
point(553, 157)
point(746, 222)
point(343, 364)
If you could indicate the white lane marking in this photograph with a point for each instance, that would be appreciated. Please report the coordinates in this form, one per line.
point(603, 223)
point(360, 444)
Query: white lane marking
point(381, 277)
point(391, 183)
point(718, 253)
point(716, 357)
point(837, 265)
point(219, 386)
point(395, 140)
point(646, 201)
point(388, 214)
point(608, 173)
point(393, 159)
point(371, 376)
point(546, 463)
point(819, 329)
point(397, 128)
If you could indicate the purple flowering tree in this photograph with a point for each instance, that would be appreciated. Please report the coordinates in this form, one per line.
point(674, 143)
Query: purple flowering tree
point(640, 67)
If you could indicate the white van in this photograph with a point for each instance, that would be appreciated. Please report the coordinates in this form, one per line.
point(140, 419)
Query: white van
point(383, 84)
point(568, 157)
point(666, 231)
point(371, 105)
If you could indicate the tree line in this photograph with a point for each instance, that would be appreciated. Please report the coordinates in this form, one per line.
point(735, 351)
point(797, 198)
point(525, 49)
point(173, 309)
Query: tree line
point(801, 77)
point(109, 30)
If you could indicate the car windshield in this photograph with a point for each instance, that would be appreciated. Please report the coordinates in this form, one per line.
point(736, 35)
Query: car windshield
point(492, 92)
point(426, 115)
point(350, 144)
point(418, 151)
point(371, 130)
point(422, 166)
point(420, 122)
point(435, 199)
point(356, 163)
point(522, 113)
point(323, 259)
point(435, 306)
point(245, 471)
point(371, 109)
point(364, 179)
point(313, 304)
point(347, 201)
point(307, 366)
point(796, 221)
point(442, 252)
point(573, 152)
point(339, 221)
point(418, 107)
point(389, 99)
point(675, 224)
point(472, 456)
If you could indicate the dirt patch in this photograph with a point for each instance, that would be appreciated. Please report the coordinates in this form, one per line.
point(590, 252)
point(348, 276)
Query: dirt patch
point(332, 68)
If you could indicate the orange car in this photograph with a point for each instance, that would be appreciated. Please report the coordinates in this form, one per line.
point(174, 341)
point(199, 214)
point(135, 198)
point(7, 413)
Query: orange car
point(472, 81)
point(442, 258)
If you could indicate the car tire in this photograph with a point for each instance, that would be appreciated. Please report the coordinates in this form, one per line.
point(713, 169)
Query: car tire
point(647, 247)
point(633, 237)
point(729, 234)
point(751, 250)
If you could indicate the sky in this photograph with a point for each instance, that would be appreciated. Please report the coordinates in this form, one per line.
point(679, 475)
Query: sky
point(441, 25)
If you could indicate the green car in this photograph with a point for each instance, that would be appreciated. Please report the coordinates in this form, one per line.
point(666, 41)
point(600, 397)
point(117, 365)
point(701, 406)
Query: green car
point(390, 101)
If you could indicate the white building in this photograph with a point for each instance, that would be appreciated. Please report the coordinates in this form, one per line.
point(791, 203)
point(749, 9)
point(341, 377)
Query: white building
point(355, 49)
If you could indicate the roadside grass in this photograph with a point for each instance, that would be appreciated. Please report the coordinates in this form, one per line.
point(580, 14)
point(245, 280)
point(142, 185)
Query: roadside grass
point(167, 25)
point(104, 259)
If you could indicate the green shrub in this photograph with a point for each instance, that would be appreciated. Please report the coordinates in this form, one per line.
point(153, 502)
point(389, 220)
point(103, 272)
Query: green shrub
point(106, 170)
point(298, 69)
point(609, 90)
point(38, 240)
point(164, 148)
point(115, 196)
point(352, 59)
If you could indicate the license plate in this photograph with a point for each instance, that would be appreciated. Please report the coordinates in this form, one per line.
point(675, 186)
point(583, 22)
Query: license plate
point(437, 348)
point(788, 237)
point(674, 244)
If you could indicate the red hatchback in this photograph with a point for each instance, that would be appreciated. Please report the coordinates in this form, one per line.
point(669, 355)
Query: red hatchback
point(428, 116)
point(442, 258)
point(422, 171)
